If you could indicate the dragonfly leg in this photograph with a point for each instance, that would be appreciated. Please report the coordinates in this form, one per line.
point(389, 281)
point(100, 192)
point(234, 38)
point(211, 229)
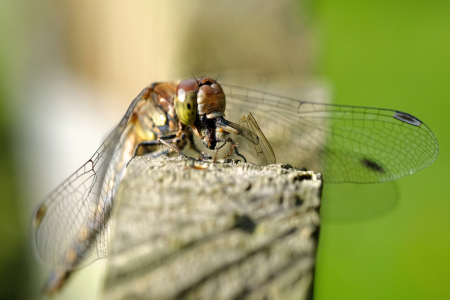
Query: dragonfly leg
point(217, 151)
point(151, 143)
point(215, 155)
point(163, 140)
point(235, 150)
point(231, 150)
point(238, 154)
point(143, 144)
point(221, 146)
point(170, 145)
point(192, 144)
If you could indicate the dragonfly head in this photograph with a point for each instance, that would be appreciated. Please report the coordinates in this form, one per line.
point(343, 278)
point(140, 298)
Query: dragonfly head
point(210, 98)
point(199, 103)
point(199, 97)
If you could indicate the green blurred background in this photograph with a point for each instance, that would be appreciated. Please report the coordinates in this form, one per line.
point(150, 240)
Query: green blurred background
point(390, 54)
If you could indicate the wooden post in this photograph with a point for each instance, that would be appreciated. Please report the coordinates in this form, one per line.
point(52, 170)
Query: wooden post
point(227, 230)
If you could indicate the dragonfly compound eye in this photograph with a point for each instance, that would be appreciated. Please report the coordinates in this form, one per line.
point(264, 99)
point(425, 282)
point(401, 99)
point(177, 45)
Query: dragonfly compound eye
point(186, 101)
point(211, 101)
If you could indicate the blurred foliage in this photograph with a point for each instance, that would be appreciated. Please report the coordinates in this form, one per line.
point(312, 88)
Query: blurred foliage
point(13, 268)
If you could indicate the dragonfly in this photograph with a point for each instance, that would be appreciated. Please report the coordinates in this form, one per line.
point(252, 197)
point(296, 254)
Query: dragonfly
point(70, 227)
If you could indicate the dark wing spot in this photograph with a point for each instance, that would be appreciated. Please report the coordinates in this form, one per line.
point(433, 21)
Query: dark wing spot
point(189, 106)
point(407, 118)
point(370, 164)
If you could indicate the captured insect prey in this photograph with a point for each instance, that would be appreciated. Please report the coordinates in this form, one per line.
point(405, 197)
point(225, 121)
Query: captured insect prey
point(70, 227)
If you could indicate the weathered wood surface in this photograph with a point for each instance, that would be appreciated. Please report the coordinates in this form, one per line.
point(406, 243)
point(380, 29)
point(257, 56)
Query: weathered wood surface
point(213, 231)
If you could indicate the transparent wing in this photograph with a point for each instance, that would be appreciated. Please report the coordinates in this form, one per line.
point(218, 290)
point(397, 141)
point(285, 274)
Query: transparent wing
point(250, 135)
point(344, 143)
point(70, 228)
point(242, 131)
point(263, 150)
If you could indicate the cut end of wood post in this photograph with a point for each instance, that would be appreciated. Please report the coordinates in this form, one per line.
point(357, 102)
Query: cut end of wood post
point(202, 230)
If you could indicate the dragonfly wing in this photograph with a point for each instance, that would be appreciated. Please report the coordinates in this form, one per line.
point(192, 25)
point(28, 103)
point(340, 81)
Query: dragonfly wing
point(344, 143)
point(70, 228)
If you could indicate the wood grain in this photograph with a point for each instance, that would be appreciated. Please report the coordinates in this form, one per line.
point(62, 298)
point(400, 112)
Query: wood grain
point(229, 230)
